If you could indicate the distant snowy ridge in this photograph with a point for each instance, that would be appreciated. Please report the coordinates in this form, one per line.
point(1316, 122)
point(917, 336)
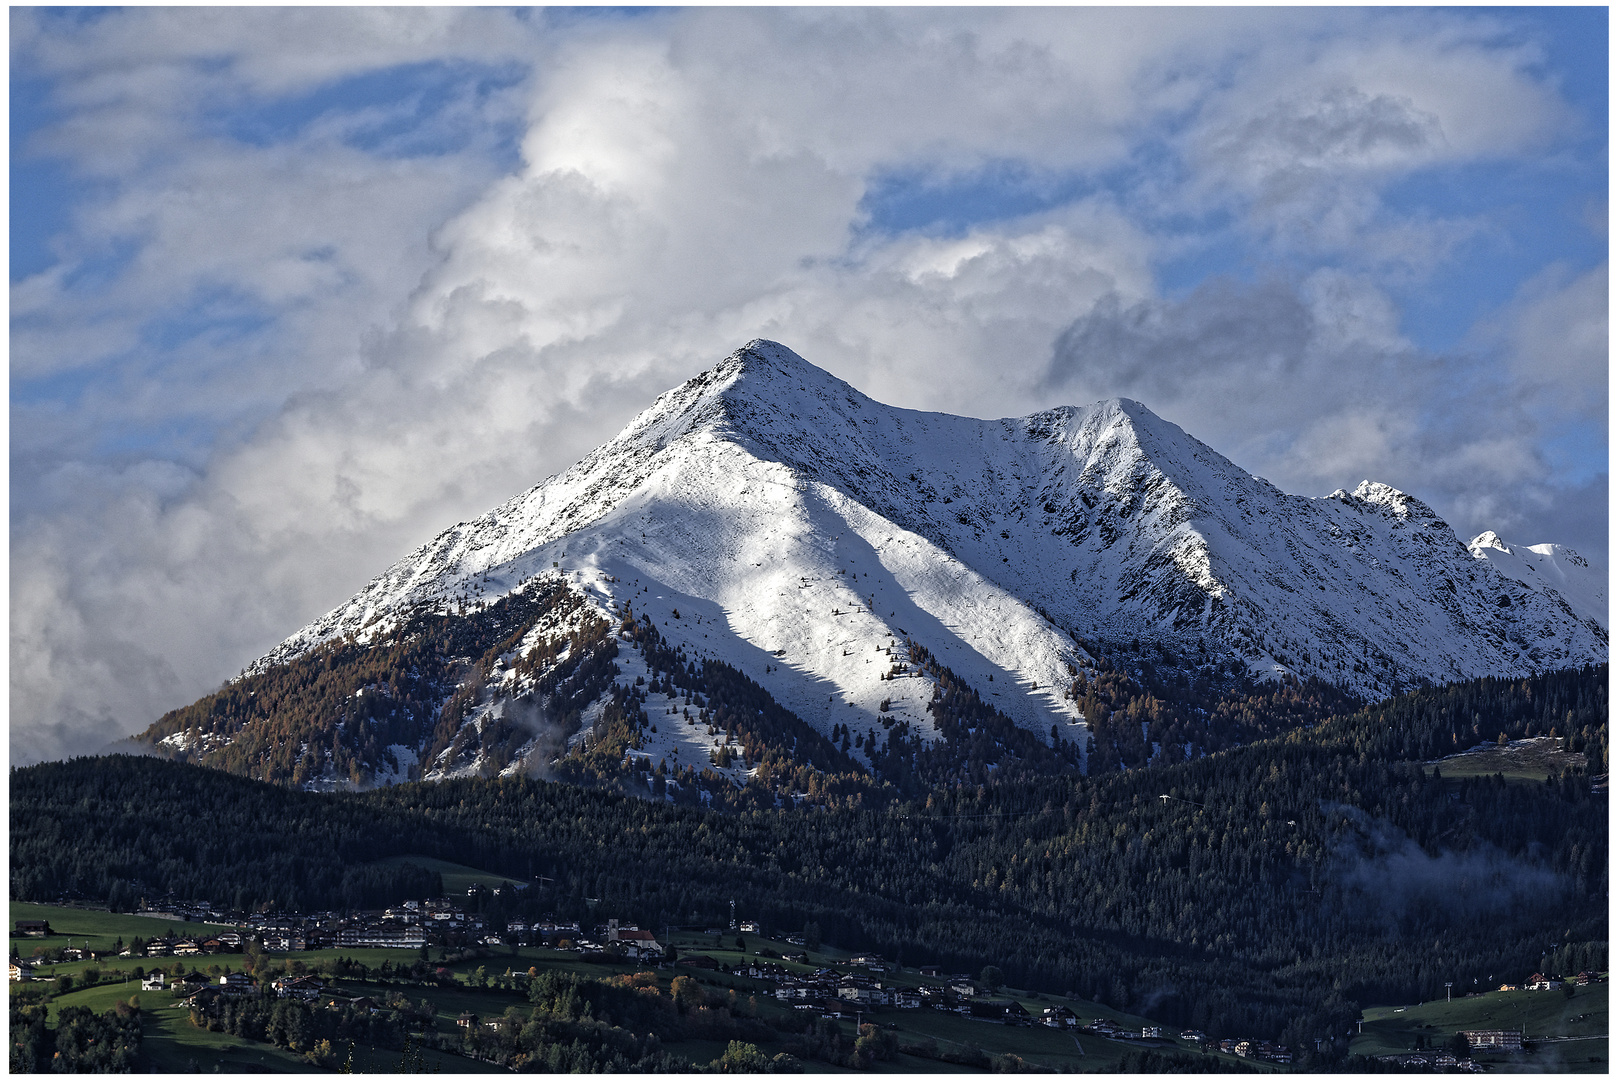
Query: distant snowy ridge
point(1548, 567)
point(796, 526)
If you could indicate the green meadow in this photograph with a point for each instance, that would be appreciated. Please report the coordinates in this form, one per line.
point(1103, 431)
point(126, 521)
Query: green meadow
point(1533, 761)
point(100, 928)
point(1569, 1033)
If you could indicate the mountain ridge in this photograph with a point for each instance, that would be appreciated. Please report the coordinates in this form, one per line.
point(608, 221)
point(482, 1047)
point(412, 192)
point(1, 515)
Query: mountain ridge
point(1022, 547)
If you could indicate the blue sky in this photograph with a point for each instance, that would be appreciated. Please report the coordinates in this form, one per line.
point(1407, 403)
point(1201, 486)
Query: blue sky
point(292, 288)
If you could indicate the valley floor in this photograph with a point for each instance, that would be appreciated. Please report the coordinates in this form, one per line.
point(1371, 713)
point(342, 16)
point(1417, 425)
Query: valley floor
point(172, 1043)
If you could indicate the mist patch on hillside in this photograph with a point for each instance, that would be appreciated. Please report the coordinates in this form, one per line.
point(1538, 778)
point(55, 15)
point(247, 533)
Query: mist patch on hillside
point(1395, 881)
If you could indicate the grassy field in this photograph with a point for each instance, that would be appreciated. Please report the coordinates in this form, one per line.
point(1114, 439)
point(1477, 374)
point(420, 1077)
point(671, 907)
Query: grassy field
point(171, 1044)
point(1525, 759)
point(100, 928)
point(1577, 1023)
point(119, 967)
point(904, 1063)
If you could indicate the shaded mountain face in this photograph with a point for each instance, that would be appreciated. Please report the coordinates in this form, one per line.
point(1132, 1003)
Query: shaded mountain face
point(877, 572)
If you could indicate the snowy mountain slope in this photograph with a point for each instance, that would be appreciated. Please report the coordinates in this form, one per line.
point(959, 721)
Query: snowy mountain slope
point(771, 516)
point(780, 580)
point(1548, 568)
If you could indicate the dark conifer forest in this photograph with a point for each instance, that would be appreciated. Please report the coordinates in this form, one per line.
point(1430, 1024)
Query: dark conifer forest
point(1271, 888)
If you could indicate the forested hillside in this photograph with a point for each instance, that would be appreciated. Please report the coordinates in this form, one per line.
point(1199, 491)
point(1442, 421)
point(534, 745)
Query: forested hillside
point(1272, 888)
point(344, 710)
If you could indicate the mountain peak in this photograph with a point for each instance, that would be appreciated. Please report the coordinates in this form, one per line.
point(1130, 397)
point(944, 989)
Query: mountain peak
point(1128, 406)
point(751, 391)
point(1390, 499)
point(768, 514)
point(762, 363)
point(763, 356)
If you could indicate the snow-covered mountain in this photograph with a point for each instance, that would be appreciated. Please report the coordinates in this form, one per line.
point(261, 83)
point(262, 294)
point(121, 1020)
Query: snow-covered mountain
point(771, 516)
point(1548, 568)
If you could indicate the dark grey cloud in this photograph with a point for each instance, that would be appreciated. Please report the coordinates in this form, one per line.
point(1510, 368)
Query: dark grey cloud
point(1159, 348)
point(1296, 140)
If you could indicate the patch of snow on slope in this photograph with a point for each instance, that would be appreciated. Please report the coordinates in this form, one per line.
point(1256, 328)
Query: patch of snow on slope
point(675, 735)
point(404, 759)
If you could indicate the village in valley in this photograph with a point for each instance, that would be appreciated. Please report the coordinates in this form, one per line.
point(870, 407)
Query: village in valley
point(206, 963)
point(205, 958)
